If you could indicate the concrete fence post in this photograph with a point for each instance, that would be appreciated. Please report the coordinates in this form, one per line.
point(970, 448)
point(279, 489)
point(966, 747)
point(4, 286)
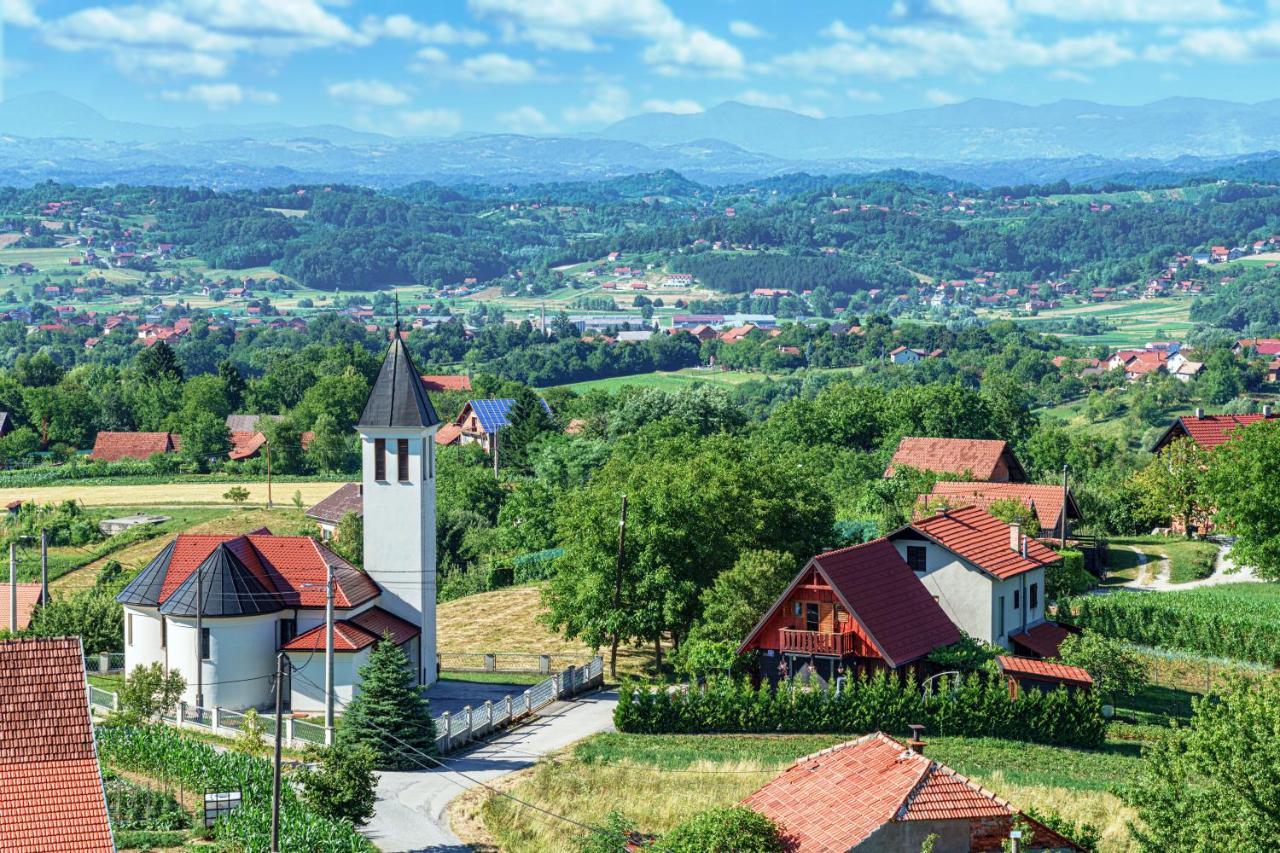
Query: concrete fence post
point(488, 715)
point(490, 662)
point(104, 662)
point(288, 730)
point(328, 735)
point(544, 664)
point(471, 723)
point(448, 731)
point(182, 714)
point(215, 718)
point(115, 701)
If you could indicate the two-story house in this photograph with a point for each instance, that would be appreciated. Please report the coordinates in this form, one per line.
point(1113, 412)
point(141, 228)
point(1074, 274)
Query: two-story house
point(987, 576)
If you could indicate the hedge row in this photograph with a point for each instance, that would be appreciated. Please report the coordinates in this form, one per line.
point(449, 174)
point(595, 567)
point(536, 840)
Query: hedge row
point(977, 706)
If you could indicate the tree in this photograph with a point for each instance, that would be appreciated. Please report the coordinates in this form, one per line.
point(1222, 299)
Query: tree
point(1242, 483)
point(205, 439)
point(236, 494)
point(250, 738)
point(732, 829)
point(148, 692)
point(389, 715)
point(526, 422)
point(158, 362)
point(1014, 511)
point(233, 382)
point(329, 449)
point(343, 786)
point(1213, 785)
point(737, 599)
point(348, 538)
point(1116, 668)
point(1174, 485)
point(92, 614)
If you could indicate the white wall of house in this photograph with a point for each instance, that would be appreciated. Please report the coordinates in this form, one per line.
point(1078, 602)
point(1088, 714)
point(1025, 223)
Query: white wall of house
point(241, 664)
point(142, 644)
point(307, 681)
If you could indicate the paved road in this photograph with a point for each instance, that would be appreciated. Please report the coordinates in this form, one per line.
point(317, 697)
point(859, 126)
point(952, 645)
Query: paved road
point(453, 696)
point(410, 815)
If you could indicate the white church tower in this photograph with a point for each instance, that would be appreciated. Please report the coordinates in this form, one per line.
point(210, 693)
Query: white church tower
point(397, 446)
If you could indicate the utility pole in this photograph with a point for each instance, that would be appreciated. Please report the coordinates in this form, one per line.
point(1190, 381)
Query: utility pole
point(1063, 540)
point(44, 565)
point(275, 776)
point(268, 444)
point(199, 638)
point(328, 656)
point(617, 587)
point(13, 587)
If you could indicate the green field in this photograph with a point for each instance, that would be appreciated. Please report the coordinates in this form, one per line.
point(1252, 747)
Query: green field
point(1137, 321)
point(675, 380)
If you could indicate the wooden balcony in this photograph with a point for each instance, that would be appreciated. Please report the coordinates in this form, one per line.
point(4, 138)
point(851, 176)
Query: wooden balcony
point(791, 641)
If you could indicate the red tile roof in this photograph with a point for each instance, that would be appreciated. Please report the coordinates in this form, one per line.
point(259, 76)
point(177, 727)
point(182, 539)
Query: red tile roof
point(358, 632)
point(246, 444)
point(1043, 670)
point(833, 800)
point(28, 598)
point(52, 797)
point(448, 434)
point(113, 446)
point(446, 382)
point(1045, 500)
point(1043, 639)
point(977, 458)
point(878, 588)
point(1208, 431)
point(983, 540)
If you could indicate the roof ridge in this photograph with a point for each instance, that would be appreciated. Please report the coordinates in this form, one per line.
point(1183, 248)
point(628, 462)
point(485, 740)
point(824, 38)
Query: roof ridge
point(847, 548)
point(838, 747)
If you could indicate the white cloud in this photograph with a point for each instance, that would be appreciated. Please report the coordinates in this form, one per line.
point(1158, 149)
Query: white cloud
point(866, 96)
point(756, 98)
point(609, 103)
point(941, 97)
point(169, 62)
point(435, 122)
point(405, 27)
point(1178, 11)
point(1070, 76)
point(1218, 43)
point(746, 30)
point(219, 96)
point(679, 106)
point(496, 68)
point(525, 119)
point(983, 14)
point(298, 20)
point(19, 13)
point(368, 92)
point(577, 24)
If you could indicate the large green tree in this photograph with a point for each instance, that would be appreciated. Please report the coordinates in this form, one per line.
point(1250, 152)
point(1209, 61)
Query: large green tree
point(1242, 480)
point(1174, 484)
point(389, 715)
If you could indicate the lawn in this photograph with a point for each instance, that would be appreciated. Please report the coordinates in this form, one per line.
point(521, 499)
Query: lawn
point(1137, 321)
point(1189, 559)
point(657, 781)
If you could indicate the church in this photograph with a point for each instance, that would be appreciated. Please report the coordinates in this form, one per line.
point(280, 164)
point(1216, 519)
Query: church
point(228, 603)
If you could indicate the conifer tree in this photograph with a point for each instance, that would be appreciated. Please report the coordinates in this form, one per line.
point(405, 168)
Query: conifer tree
point(389, 714)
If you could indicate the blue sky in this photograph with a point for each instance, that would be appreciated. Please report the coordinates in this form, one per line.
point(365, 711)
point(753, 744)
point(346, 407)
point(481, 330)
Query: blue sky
point(551, 66)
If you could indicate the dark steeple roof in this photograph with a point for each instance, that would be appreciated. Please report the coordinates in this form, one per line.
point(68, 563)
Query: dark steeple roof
point(145, 588)
point(398, 398)
point(229, 589)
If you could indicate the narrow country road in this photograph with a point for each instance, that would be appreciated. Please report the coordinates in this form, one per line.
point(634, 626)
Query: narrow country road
point(411, 812)
point(1224, 571)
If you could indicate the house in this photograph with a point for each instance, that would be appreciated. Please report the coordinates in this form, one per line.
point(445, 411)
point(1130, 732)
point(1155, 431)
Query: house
point(327, 513)
point(879, 794)
point(217, 608)
point(987, 576)
point(1046, 501)
point(636, 336)
point(480, 420)
point(1184, 369)
point(1208, 431)
point(988, 460)
point(24, 598)
point(1031, 674)
point(732, 336)
point(446, 382)
point(850, 611)
point(114, 446)
point(905, 355)
point(1257, 346)
point(448, 434)
point(53, 799)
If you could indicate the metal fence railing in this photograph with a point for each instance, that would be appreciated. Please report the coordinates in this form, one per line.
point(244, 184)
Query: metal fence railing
point(455, 730)
point(104, 663)
point(515, 662)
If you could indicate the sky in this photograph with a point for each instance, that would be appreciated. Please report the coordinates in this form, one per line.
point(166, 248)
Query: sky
point(566, 66)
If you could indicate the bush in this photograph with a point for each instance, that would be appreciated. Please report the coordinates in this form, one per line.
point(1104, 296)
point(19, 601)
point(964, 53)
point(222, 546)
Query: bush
point(735, 829)
point(136, 807)
point(977, 706)
point(1068, 577)
point(148, 839)
point(92, 614)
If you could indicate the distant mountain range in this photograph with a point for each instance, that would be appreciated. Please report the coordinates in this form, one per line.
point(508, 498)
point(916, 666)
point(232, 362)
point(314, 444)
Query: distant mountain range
point(50, 136)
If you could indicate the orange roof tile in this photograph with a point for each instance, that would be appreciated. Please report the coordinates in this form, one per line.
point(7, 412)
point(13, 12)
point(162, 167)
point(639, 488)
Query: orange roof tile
point(983, 540)
point(358, 632)
point(113, 446)
point(448, 434)
point(1046, 500)
point(1208, 431)
point(52, 797)
point(1043, 670)
point(446, 382)
point(28, 597)
point(1044, 639)
point(978, 458)
point(246, 444)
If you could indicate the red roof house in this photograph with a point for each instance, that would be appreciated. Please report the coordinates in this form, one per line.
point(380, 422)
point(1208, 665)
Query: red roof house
point(1033, 674)
point(52, 798)
point(1209, 431)
point(856, 608)
point(30, 596)
point(1046, 501)
point(876, 793)
point(113, 446)
point(980, 459)
point(446, 382)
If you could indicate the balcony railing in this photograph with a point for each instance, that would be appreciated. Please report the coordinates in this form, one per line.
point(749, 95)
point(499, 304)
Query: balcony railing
point(816, 642)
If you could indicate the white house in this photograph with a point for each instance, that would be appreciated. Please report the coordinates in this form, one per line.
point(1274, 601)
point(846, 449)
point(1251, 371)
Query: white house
point(256, 594)
point(988, 577)
point(905, 355)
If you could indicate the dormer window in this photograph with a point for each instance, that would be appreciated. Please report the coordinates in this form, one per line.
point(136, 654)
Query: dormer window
point(402, 460)
point(380, 459)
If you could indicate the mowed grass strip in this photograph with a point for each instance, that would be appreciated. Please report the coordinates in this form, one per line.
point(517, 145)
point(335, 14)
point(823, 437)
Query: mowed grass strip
point(167, 494)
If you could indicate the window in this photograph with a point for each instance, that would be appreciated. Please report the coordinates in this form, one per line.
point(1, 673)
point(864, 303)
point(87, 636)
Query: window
point(1017, 604)
point(811, 618)
point(916, 558)
point(380, 459)
point(288, 630)
point(164, 632)
point(129, 624)
point(402, 460)
point(204, 644)
point(1000, 617)
point(1034, 596)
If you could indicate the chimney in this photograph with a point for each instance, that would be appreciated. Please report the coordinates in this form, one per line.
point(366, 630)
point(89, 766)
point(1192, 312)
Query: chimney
point(915, 744)
point(1266, 410)
point(1024, 546)
point(1199, 413)
point(1015, 537)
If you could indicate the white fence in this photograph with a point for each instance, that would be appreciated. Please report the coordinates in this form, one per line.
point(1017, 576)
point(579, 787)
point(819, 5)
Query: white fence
point(456, 730)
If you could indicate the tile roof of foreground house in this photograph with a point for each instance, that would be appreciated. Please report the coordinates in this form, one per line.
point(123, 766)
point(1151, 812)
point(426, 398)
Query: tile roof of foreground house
point(52, 798)
point(878, 588)
point(359, 632)
point(978, 458)
point(114, 446)
point(29, 595)
point(1044, 639)
point(1046, 500)
point(984, 540)
point(1043, 670)
point(349, 497)
point(1208, 431)
point(251, 573)
point(835, 799)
